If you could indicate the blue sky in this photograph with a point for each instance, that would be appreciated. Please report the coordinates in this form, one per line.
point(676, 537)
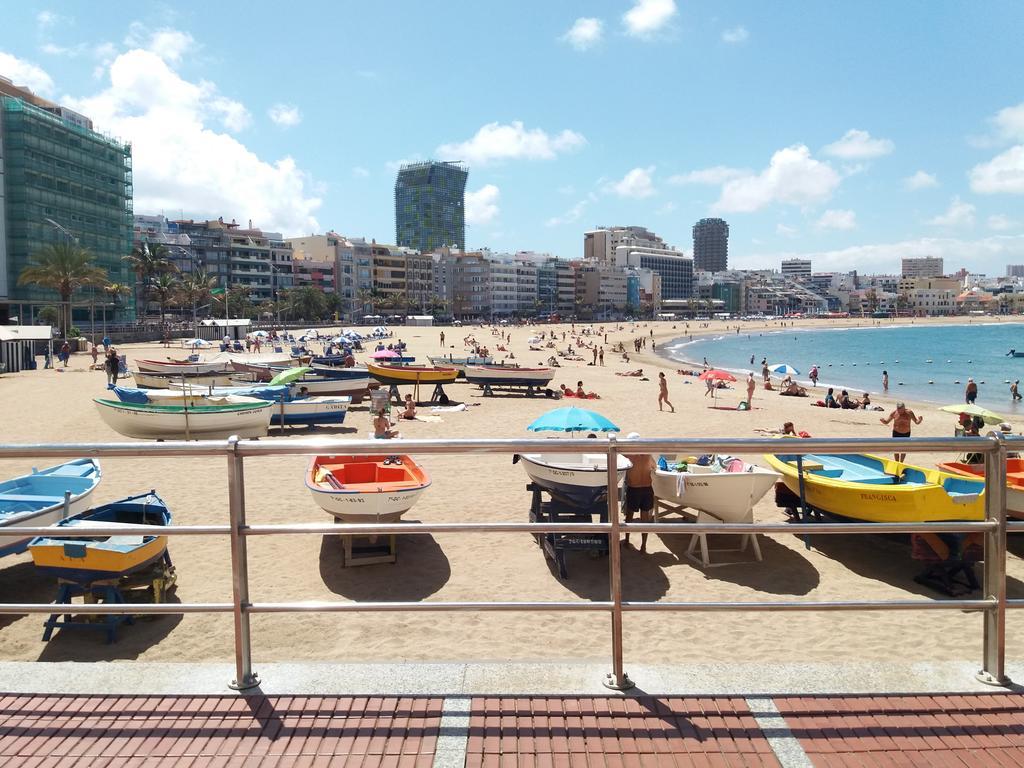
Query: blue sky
point(853, 133)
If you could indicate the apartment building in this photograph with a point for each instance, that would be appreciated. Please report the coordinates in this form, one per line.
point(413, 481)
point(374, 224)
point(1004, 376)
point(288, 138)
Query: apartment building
point(923, 266)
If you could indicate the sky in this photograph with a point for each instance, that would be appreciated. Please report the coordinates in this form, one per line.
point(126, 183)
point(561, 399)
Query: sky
point(850, 133)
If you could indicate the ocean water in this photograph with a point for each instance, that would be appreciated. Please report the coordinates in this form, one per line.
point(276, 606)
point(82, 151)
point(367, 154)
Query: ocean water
point(930, 363)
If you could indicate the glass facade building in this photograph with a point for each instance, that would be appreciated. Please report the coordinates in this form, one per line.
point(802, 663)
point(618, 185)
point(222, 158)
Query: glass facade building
point(430, 206)
point(59, 180)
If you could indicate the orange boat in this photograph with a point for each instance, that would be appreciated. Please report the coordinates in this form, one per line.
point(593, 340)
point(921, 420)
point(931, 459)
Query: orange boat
point(1014, 481)
point(362, 489)
point(412, 374)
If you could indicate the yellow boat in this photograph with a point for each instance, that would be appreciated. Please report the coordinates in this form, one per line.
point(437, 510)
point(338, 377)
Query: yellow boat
point(412, 374)
point(873, 489)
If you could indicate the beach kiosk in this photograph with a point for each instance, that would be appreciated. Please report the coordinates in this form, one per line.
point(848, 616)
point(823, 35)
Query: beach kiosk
point(19, 345)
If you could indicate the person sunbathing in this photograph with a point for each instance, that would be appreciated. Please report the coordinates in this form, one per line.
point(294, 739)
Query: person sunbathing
point(382, 427)
point(410, 409)
point(637, 372)
point(794, 390)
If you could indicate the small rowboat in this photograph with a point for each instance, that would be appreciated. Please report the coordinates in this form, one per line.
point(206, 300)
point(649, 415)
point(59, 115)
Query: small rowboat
point(163, 380)
point(362, 489)
point(581, 478)
point(1014, 481)
point(289, 408)
point(38, 499)
point(727, 489)
point(873, 489)
point(179, 367)
point(189, 420)
point(508, 375)
point(412, 374)
point(73, 555)
point(450, 361)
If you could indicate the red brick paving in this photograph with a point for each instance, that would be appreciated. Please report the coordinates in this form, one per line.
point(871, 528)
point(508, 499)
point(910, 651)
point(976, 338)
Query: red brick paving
point(218, 731)
point(927, 730)
point(617, 732)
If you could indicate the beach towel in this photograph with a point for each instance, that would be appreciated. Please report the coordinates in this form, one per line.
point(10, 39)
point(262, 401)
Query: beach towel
point(428, 418)
point(448, 408)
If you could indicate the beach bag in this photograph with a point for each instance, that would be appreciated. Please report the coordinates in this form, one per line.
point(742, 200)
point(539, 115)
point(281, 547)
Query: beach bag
point(743, 406)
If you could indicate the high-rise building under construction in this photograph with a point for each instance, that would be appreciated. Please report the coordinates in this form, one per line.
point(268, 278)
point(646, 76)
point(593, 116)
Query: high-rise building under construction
point(711, 245)
point(430, 206)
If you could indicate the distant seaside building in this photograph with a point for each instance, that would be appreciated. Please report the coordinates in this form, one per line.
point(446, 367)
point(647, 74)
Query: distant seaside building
point(796, 269)
point(600, 244)
point(60, 181)
point(1015, 270)
point(430, 206)
point(923, 266)
point(711, 245)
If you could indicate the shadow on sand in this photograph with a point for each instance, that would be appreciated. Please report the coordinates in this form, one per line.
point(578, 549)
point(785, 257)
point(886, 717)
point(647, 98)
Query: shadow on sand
point(24, 583)
point(421, 570)
point(782, 571)
point(643, 575)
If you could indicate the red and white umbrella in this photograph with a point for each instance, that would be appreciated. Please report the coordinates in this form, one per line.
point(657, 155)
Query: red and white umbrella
point(716, 375)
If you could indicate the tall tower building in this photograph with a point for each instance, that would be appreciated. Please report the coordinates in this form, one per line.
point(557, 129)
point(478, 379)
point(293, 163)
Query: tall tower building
point(711, 245)
point(430, 206)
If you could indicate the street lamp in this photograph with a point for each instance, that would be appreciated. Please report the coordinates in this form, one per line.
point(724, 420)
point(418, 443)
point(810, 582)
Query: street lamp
point(63, 230)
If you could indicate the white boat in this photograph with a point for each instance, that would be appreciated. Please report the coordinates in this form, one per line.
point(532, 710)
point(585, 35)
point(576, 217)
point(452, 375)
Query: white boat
point(727, 489)
point(289, 409)
point(363, 489)
point(318, 385)
point(580, 477)
point(164, 381)
point(179, 367)
point(190, 419)
point(37, 499)
point(508, 375)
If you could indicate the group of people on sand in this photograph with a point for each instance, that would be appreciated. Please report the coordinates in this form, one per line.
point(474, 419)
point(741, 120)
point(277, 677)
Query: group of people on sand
point(845, 401)
point(578, 392)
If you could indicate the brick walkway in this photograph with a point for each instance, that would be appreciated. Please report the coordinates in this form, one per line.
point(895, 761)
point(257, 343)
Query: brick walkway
point(363, 732)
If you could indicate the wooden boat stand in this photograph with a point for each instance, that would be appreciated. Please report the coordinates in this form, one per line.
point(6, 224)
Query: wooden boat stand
point(662, 508)
point(368, 550)
point(158, 578)
point(528, 390)
point(562, 510)
point(438, 396)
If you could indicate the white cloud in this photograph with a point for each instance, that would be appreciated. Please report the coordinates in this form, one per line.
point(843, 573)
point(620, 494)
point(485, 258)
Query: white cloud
point(921, 180)
point(47, 19)
point(573, 214)
point(482, 205)
point(359, 172)
point(959, 214)
point(987, 255)
point(1009, 123)
point(647, 17)
point(170, 44)
point(495, 142)
point(718, 174)
point(786, 231)
point(285, 115)
point(837, 219)
point(1000, 223)
point(858, 145)
point(1003, 173)
point(735, 35)
point(585, 33)
point(182, 162)
point(792, 177)
point(636, 184)
point(22, 72)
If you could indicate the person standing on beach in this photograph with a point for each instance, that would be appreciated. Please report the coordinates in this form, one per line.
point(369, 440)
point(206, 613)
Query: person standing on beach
point(765, 373)
point(751, 386)
point(971, 392)
point(639, 490)
point(663, 392)
point(442, 338)
point(885, 381)
point(814, 376)
point(110, 365)
point(600, 356)
point(901, 420)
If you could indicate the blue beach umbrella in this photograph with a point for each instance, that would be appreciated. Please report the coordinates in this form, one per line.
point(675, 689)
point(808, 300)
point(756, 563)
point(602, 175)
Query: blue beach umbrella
point(572, 419)
point(782, 369)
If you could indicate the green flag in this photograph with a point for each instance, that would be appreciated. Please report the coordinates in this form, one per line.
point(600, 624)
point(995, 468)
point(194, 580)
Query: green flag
point(217, 292)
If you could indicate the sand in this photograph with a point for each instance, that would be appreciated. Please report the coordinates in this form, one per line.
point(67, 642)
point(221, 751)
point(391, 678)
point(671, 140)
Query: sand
point(55, 406)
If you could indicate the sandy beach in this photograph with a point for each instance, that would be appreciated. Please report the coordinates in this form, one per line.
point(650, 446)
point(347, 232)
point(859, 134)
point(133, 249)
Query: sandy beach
point(46, 406)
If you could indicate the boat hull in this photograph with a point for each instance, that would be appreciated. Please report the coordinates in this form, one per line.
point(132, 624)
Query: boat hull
point(459, 363)
point(38, 499)
point(508, 376)
point(311, 411)
point(164, 381)
point(187, 369)
point(386, 374)
point(149, 422)
point(878, 498)
point(582, 479)
point(728, 496)
point(1014, 486)
point(74, 555)
point(377, 499)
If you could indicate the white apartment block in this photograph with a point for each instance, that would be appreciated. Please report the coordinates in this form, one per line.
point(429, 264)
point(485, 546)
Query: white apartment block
point(923, 266)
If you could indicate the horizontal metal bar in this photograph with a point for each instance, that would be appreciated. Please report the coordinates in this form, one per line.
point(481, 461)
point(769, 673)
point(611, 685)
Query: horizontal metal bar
point(1015, 526)
point(116, 608)
point(141, 448)
point(1015, 603)
point(816, 605)
point(378, 529)
point(70, 531)
point(329, 606)
point(799, 528)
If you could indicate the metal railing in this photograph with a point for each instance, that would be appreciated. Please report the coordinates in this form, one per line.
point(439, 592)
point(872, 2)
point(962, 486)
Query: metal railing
point(993, 602)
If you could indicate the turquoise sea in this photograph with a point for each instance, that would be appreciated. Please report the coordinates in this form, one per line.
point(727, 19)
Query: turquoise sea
point(930, 363)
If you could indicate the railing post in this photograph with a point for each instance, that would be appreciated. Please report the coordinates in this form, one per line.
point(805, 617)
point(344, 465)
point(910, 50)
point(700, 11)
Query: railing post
point(616, 679)
point(244, 676)
point(994, 577)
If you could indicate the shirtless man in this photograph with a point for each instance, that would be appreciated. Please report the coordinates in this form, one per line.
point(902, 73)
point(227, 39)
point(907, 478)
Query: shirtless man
point(663, 392)
point(639, 493)
point(901, 420)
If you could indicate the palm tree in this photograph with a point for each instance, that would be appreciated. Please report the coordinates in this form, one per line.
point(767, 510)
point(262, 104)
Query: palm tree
point(147, 261)
point(195, 288)
point(164, 287)
point(309, 302)
point(115, 291)
point(64, 268)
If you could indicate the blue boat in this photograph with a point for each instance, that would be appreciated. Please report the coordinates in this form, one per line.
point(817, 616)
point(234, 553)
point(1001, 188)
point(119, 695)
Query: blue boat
point(38, 499)
point(73, 555)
